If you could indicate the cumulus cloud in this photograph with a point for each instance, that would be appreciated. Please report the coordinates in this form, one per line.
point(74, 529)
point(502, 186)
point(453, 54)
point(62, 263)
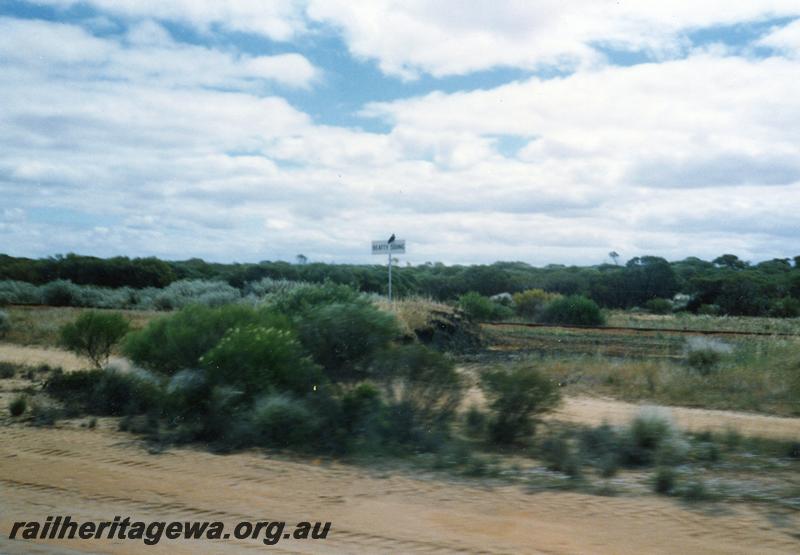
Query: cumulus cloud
point(450, 38)
point(119, 138)
point(784, 39)
point(277, 19)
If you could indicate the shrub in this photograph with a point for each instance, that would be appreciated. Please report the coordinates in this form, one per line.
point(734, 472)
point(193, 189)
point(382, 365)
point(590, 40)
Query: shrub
point(107, 392)
point(422, 386)
point(60, 293)
point(257, 359)
point(573, 310)
point(361, 409)
point(18, 405)
point(283, 421)
point(8, 370)
point(664, 480)
point(94, 334)
point(475, 421)
point(602, 446)
point(787, 307)
point(5, 323)
point(704, 354)
point(299, 299)
point(269, 286)
point(19, 292)
point(341, 337)
point(179, 294)
point(517, 395)
point(703, 360)
point(695, 491)
point(531, 303)
point(559, 455)
point(658, 306)
point(709, 310)
point(651, 438)
point(175, 342)
point(478, 307)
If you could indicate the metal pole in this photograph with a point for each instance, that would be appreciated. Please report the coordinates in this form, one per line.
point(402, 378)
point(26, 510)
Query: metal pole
point(390, 272)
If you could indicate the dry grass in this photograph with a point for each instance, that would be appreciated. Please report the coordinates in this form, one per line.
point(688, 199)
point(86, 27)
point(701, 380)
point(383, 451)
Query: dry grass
point(699, 322)
point(413, 313)
point(40, 325)
point(753, 378)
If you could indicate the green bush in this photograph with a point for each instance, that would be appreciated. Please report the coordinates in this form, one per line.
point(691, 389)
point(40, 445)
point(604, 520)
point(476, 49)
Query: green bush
point(704, 354)
point(422, 387)
point(5, 323)
point(664, 480)
point(60, 293)
point(703, 360)
point(475, 422)
point(787, 307)
point(8, 370)
point(602, 446)
point(531, 303)
point(106, 392)
point(342, 337)
point(559, 455)
point(478, 307)
point(300, 299)
point(695, 491)
point(93, 335)
point(361, 410)
point(282, 421)
point(651, 438)
point(658, 306)
point(18, 405)
point(257, 359)
point(573, 310)
point(176, 342)
point(516, 396)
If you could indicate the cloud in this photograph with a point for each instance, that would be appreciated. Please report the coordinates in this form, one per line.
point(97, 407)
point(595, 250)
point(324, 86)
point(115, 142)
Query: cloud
point(448, 38)
point(146, 53)
point(279, 20)
point(128, 141)
point(784, 39)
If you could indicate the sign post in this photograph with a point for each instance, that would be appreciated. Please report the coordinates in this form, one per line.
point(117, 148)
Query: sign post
point(390, 247)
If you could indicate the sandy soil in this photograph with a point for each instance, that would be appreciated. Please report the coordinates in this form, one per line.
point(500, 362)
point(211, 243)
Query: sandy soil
point(96, 474)
point(588, 410)
point(32, 356)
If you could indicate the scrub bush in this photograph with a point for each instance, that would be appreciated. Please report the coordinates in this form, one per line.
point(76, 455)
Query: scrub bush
point(516, 397)
point(478, 307)
point(107, 392)
point(257, 359)
point(658, 306)
point(5, 323)
point(421, 386)
point(342, 337)
point(175, 342)
point(18, 405)
point(282, 421)
point(93, 335)
point(531, 303)
point(573, 310)
point(19, 292)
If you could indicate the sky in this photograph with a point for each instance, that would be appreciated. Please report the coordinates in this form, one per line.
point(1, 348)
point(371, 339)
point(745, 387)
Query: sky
point(539, 131)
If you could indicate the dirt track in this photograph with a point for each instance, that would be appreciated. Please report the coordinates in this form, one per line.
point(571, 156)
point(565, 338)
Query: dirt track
point(96, 474)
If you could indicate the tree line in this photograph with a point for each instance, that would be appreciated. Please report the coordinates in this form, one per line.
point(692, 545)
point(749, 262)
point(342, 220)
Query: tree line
point(725, 285)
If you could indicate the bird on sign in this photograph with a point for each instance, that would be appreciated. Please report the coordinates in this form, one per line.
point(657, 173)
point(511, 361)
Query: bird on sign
point(391, 239)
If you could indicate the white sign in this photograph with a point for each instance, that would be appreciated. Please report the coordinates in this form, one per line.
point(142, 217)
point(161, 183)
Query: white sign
point(398, 246)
